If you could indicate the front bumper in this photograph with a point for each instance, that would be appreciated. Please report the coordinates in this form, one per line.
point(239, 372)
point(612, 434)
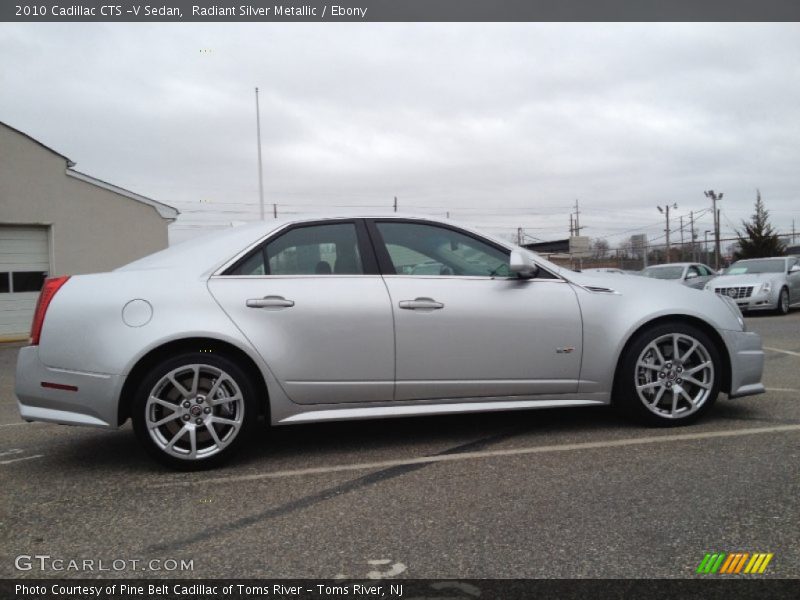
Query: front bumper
point(747, 362)
point(758, 300)
point(93, 403)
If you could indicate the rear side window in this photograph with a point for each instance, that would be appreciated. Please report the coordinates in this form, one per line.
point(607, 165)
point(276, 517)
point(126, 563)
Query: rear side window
point(311, 250)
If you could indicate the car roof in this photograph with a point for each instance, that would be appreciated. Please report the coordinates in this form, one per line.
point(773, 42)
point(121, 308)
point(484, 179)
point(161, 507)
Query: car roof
point(206, 253)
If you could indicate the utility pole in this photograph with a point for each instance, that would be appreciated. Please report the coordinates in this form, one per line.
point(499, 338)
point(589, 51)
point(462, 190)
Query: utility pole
point(665, 211)
point(577, 219)
point(681, 219)
point(694, 248)
point(275, 211)
point(519, 236)
point(260, 166)
point(571, 228)
point(705, 245)
point(792, 231)
point(714, 199)
point(395, 204)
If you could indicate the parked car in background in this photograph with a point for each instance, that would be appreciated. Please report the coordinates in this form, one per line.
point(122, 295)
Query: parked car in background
point(325, 319)
point(693, 275)
point(761, 283)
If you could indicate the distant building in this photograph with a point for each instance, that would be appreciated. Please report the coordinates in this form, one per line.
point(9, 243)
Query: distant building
point(55, 220)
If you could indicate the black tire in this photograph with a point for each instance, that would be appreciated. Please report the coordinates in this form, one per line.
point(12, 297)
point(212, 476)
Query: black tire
point(631, 402)
point(783, 302)
point(233, 420)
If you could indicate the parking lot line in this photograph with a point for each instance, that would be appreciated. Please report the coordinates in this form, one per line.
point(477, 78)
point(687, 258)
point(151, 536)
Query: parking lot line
point(781, 350)
point(790, 390)
point(13, 460)
point(661, 439)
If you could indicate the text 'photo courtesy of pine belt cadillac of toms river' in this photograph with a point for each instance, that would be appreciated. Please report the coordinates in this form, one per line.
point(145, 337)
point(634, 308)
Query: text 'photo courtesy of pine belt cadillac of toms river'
point(320, 319)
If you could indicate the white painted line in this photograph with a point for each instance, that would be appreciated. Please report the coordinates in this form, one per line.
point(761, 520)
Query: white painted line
point(15, 424)
point(661, 439)
point(13, 460)
point(12, 451)
point(790, 390)
point(789, 352)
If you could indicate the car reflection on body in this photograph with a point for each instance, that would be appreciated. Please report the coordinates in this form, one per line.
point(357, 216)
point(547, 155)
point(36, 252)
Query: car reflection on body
point(322, 319)
point(761, 283)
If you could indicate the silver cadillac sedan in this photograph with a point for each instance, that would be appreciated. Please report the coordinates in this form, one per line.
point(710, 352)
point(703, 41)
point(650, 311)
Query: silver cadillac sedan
point(310, 320)
point(761, 283)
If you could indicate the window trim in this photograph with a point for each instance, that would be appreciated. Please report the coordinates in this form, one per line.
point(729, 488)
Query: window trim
point(368, 260)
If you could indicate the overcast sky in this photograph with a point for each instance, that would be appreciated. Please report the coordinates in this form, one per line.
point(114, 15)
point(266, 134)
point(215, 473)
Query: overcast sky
point(502, 125)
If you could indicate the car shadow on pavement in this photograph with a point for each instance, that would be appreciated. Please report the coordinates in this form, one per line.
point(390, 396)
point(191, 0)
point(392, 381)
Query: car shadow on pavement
point(119, 450)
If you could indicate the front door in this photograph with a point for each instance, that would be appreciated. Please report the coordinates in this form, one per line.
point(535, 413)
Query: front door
point(467, 327)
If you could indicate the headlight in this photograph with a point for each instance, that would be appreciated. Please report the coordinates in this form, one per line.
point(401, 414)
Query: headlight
point(708, 286)
point(766, 287)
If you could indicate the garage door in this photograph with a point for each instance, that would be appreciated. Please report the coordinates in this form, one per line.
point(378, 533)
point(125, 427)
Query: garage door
point(24, 264)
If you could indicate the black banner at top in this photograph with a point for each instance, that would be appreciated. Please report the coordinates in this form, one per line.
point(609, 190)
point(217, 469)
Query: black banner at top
point(397, 10)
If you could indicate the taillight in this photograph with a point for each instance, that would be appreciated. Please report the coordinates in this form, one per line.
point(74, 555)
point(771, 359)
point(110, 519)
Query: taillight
point(51, 286)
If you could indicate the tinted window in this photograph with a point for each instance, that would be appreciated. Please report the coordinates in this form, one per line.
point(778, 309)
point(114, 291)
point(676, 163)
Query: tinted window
point(417, 249)
point(663, 272)
point(313, 250)
point(742, 267)
point(5, 283)
point(27, 281)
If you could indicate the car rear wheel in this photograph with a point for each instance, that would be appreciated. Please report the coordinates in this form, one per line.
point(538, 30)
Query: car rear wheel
point(195, 410)
point(783, 302)
point(670, 375)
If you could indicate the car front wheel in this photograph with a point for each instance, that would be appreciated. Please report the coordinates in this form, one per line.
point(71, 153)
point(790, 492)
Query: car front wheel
point(670, 375)
point(195, 410)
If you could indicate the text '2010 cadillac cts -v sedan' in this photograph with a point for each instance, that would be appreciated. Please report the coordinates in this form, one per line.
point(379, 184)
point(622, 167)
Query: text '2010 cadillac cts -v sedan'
point(355, 318)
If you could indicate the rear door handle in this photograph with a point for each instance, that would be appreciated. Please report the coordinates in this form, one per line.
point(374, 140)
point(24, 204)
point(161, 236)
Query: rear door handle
point(421, 304)
point(269, 302)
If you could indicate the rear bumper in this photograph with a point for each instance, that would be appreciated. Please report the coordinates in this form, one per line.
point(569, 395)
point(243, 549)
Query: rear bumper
point(747, 362)
point(93, 403)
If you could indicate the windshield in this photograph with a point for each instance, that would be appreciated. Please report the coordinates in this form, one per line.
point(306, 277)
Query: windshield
point(663, 272)
point(774, 265)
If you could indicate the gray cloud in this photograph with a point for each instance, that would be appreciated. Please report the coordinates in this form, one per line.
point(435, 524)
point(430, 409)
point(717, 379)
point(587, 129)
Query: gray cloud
point(470, 118)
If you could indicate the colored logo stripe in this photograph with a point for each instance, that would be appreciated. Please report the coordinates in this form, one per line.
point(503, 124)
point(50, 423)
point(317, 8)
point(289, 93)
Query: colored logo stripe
point(732, 564)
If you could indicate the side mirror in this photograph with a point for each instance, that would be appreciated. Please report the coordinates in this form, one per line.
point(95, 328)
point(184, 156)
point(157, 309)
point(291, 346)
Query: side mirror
point(794, 269)
point(522, 265)
point(691, 275)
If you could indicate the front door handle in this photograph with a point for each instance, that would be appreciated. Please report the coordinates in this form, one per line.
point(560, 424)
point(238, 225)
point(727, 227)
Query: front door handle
point(421, 304)
point(269, 302)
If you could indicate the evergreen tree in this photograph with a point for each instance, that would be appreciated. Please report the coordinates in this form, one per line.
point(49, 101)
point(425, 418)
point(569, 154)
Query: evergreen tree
point(759, 239)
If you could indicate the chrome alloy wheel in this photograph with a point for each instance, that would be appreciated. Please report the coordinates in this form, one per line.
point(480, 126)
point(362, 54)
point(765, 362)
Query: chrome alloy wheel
point(194, 411)
point(674, 375)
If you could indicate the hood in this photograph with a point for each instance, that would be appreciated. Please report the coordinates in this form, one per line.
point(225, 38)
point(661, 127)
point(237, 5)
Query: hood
point(754, 279)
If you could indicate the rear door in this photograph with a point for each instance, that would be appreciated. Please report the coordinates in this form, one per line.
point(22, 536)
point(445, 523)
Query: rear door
point(465, 325)
point(312, 303)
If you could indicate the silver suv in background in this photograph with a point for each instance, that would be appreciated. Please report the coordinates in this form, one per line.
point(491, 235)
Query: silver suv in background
point(761, 283)
point(693, 275)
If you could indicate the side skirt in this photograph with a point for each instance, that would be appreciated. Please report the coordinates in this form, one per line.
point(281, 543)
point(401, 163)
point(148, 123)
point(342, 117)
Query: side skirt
point(413, 410)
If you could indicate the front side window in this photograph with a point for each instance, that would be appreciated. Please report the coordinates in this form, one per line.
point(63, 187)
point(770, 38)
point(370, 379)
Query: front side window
point(312, 250)
point(420, 249)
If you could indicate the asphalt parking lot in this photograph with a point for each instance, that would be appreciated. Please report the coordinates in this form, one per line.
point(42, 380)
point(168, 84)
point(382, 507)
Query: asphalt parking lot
point(562, 493)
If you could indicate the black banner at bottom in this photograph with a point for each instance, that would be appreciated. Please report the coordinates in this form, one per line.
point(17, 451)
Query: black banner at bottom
point(395, 589)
